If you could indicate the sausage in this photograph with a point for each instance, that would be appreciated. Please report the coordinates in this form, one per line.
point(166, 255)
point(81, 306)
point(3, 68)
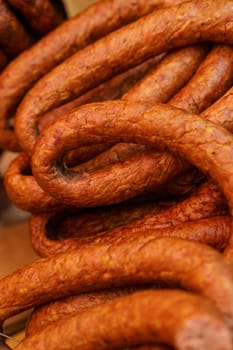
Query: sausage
point(40, 15)
point(213, 78)
point(205, 202)
point(13, 36)
point(213, 231)
point(3, 60)
point(86, 153)
point(115, 154)
point(110, 90)
point(131, 320)
point(83, 67)
point(100, 181)
point(92, 221)
point(168, 77)
point(52, 312)
point(73, 304)
point(25, 192)
point(221, 112)
point(167, 259)
point(146, 127)
point(63, 42)
point(64, 307)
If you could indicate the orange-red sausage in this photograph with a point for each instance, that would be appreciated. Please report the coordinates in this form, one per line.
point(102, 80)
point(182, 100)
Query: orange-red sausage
point(110, 90)
point(133, 320)
point(52, 312)
point(167, 259)
point(213, 78)
point(171, 74)
point(212, 231)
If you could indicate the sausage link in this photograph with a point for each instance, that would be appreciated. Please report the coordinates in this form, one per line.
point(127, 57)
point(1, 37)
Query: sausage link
point(3, 60)
point(52, 312)
point(131, 320)
point(110, 90)
point(175, 297)
point(167, 259)
point(168, 77)
point(213, 78)
point(13, 36)
point(86, 153)
point(45, 240)
point(40, 15)
point(91, 222)
point(212, 231)
point(24, 191)
point(205, 202)
point(136, 41)
point(106, 16)
point(133, 124)
point(221, 112)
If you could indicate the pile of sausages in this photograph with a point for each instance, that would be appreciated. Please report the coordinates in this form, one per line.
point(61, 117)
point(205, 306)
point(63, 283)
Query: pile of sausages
point(124, 116)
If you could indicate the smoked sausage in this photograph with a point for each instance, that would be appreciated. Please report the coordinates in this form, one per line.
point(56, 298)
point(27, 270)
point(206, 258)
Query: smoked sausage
point(131, 320)
point(110, 90)
point(171, 74)
point(213, 78)
point(52, 312)
point(166, 259)
point(212, 231)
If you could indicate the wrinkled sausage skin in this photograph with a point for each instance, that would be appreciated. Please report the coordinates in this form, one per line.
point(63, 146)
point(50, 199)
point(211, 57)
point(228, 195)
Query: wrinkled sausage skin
point(133, 321)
